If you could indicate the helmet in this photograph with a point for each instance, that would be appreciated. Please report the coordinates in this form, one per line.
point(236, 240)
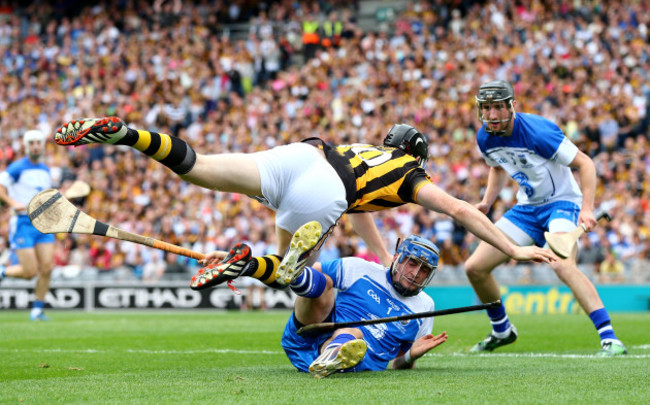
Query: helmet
point(33, 135)
point(419, 249)
point(410, 140)
point(495, 91)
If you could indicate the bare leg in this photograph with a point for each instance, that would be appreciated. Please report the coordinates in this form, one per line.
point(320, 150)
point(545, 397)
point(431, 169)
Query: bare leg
point(351, 331)
point(28, 267)
point(479, 271)
point(233, 173)
point(583, 289)
point(284, 240)
point(45, 255)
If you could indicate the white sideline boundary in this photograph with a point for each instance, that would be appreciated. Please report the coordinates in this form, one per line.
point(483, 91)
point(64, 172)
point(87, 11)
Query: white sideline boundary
point(279, 352)
point(145, 351)
point(536, 355)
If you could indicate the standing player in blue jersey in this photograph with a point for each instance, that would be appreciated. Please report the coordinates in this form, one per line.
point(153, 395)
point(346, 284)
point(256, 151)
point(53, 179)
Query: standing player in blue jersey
point(536, 154)
point(22, 180)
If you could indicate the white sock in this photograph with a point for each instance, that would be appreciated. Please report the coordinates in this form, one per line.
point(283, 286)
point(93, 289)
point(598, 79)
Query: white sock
point(503, 334)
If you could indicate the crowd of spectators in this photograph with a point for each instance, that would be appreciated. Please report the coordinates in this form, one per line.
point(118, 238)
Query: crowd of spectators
point(171, 67)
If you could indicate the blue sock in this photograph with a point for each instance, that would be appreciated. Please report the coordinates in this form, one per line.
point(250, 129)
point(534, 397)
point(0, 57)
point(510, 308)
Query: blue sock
point(603, 325)
point(37, 308)
point(340, 339)
point(310, 284)
point(499, 320)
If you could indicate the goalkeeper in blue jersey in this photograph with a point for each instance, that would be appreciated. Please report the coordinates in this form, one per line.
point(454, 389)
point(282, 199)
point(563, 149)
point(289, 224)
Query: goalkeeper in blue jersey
point(534, 152)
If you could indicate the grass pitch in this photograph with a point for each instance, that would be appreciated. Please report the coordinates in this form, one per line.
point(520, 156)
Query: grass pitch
point(235, 357)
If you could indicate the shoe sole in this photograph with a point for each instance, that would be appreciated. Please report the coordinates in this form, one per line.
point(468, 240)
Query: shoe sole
point(478, 349)
point(609, 353)
point(206, 278)
point(305, 238)
point(350, 354)
point(100, 128)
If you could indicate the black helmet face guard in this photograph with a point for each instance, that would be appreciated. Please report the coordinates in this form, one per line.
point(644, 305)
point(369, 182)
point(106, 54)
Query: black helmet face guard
point(496, 92)
point(410, 140)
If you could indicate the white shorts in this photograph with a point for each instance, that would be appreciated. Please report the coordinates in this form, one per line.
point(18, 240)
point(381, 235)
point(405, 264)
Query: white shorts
point(301, 186)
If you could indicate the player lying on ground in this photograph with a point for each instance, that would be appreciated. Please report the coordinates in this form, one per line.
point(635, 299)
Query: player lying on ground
point(308, 181)
point(351, 289)
point(537, 155)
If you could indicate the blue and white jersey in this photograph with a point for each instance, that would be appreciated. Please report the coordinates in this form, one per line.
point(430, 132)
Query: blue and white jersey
point(24, 179)
point(365, 292)
point(536, 156)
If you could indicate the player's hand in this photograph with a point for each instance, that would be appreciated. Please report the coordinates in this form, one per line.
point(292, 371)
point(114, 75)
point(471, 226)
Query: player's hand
point(426, 343)
point(18, 206)
point(535, 254)
point(587, 218)
point(483, 207)
point(213, 258)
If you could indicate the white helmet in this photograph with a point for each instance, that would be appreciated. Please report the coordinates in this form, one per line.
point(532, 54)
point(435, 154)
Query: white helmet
point(33, 135)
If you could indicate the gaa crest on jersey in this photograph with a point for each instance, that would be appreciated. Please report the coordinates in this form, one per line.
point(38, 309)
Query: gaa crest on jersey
point(523, 160)
point(524, 183)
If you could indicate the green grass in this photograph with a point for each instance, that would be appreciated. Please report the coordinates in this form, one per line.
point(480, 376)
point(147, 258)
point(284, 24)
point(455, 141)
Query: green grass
point(232, 357)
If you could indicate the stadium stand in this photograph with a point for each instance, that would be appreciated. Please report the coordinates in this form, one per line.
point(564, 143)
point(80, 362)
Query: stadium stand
point(234, 76)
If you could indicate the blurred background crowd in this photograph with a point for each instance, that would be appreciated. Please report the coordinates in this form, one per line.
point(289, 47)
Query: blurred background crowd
point(244, 76)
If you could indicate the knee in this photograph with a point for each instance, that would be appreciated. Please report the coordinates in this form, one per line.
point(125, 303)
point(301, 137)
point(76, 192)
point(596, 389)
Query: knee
point(474, 269)
point(562, 268)
point(29, 272)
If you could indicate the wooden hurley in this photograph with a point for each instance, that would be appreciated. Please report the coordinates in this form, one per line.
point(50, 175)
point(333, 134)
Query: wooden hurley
point(563, 244)
point(51, 212)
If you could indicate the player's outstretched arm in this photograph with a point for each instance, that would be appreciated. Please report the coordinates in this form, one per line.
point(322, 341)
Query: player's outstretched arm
point(432, 197)
point(420, 348)
point(364, 226)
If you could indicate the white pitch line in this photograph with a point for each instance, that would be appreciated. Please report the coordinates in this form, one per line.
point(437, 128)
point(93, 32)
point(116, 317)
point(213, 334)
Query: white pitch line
point(271, 352)
point(535, 355)
point(145, 351)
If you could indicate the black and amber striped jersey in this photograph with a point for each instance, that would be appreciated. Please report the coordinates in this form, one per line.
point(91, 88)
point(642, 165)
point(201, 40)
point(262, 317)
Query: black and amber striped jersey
point(375, 177)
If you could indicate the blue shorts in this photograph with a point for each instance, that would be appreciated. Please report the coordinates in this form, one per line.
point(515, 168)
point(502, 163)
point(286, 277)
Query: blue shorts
point(23, 235)
point(535, 220)
point(302, 351)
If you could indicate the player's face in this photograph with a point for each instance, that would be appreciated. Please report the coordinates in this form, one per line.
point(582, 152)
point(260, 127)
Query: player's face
point(35, 149)
point(496, 115)
point(412, 274)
